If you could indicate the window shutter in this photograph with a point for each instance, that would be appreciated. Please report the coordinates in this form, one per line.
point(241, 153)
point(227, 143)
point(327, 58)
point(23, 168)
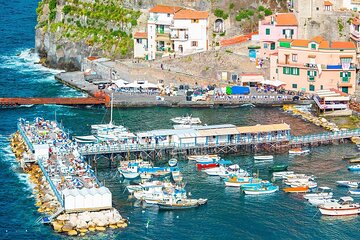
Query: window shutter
point(341, 74)
point(308, 73)
point(314, 73)
point(283, 31)
point(349, 74)
point(292, 31)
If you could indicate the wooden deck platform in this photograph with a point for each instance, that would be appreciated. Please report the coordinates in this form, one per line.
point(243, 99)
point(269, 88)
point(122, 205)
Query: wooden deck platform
point(56, 101)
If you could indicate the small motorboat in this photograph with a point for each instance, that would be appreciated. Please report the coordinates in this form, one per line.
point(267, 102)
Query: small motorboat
point(278, 168)
point(179, 204)
point(264, 183)
point(261, 190)
point(173, 162)
point(354, 167)
point(129, 174)
point(176, 176)
point(344, 207)
point(235, 181)
point(280, 175)
point(194, 157)
point(350, 184)
point(355, 160)
point(323, 192)
point(206, 165)
point(188, 120)
point(319, 201)
point(350, 156)
point(263, 157)
point(298, 151)
point(133, 188)
point(299, 189)
point(354, 191)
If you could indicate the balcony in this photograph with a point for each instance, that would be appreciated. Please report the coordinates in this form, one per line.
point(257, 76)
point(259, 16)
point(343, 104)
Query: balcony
point(179, 37)
point(311, 65)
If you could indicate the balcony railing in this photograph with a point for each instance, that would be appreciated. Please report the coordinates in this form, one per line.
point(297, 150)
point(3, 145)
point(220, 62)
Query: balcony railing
point(179, 37)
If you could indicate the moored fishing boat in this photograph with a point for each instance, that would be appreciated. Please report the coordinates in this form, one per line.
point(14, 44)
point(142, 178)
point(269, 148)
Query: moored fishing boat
point(350, 156)
point(176, 176)
point(354, 191)
point(280, 175)
point(194, 157)
point(179, 204)
point(319, 201)
point(235, 181)
point(350, 184)
point(343, 207)
point(261, 190)
point(278, 168)
point(298, 189)
point(205, 165)
point(355, 160)
point(323, 192)
point(354, 167)
point(173, 162)
point(187, 120)
point(298, 151)
point(263, 157)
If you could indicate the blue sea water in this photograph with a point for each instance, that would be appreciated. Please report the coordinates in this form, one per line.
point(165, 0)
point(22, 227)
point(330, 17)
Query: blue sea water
point(228, 214)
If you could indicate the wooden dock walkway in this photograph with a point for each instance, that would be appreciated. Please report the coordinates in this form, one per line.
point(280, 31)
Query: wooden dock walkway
point(57, 101)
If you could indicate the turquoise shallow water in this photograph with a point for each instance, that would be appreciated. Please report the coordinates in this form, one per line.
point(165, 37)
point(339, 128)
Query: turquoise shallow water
point(228, 214)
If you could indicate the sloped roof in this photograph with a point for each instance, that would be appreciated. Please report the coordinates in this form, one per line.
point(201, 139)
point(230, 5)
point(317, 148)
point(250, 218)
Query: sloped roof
point(164, 9)
point(191, 14)
point(343, 45)
point(286, 19)
point(327, 3)
point(140, 35)
point(300, 43)
point(317, 39)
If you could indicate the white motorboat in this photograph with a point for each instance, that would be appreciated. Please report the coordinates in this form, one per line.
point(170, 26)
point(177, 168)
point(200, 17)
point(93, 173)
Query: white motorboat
point(298, 151)
point(350, 184)
point(86, 139)
point(156, 194)
point(194, 157)
point(323, 192)
point(320, 201)
point(188, 120)
point(206, 159)
point(354, 191)
point(129, 174)
point(133, 188)
point(280, 175)
point(173, 162)
point(344, 207)
point(264, 157)
point(176, 176)
point(223, 171)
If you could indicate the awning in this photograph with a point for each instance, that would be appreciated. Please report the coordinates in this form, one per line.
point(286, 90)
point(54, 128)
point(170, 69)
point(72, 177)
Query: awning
point(275, 83)
point(311, 56)
point(264, 128)
point(346, 85)
point(346, 56)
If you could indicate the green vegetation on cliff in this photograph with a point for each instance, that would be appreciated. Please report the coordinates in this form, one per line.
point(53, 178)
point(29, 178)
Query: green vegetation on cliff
point(104, 25)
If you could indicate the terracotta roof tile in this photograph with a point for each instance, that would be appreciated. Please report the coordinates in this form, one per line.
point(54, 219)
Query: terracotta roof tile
point(327, 3)
point(286, 19)
point(237, 39)
point(300, 43)
point(324, 44)
point(191, 14)
point(343, 45)
point(317, 39)
point(165, 9)
point(140, 35)
point(356, 21)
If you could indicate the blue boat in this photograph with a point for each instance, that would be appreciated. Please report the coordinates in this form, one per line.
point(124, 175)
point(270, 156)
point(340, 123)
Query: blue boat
point(261, 190)
point(354, 167)
point(256, 185)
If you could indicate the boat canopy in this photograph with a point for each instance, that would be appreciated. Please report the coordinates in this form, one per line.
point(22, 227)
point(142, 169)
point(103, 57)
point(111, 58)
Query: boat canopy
point(347, 199)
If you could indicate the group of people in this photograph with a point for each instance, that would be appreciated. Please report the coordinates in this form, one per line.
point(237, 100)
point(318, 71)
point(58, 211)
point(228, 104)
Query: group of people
point(251, 98)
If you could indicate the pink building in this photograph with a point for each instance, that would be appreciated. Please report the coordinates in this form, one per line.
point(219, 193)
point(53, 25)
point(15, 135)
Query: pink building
point(275, 27)
point(316, 64)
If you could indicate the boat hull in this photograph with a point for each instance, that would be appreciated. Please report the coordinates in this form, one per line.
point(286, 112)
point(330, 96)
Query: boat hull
point(355, 191)
point(201, 166)
point(130, 175)
point(260, 192)
point(339, 212)
point(269, 157)
point(296, 189)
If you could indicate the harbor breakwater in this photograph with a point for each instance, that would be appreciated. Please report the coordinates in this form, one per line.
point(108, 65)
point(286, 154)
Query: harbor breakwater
point(50, 201)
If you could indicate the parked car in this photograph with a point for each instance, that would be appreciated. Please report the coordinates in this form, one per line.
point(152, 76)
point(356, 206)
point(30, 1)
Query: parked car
point(101, 86)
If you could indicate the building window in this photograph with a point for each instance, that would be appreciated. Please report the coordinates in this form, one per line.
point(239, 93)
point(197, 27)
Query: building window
point(291, 71)
point(277, 70)
point(313, 46)
point(139, 40)
point(312, 87)
point(317, 9)
point(194, 20)
point(294, 86)
point(267, 31)
point(265, 45)
point(294, 57)
point(272, 46)
point(345, 76)
point(194, 43)
point(168, 14)
point(321, 87)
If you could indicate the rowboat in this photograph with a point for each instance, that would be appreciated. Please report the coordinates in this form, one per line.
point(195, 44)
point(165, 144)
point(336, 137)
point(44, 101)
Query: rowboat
point(354, 191)
point(261, 190)
point(323, 192)
point(264, 157)
point(350, 156)
point(277, 175)
point(278, 168)
point(354, 167)
point(206, 165)
point(194, 157)
point(172, 162)
point(355, 160)
point(179, 204)
point(299, 189)
point(298, 151)
point(319, 201)
point(343, 207)
point(350, 184)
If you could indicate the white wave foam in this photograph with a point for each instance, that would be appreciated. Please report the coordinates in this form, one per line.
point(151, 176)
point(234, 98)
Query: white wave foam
point(25, 62)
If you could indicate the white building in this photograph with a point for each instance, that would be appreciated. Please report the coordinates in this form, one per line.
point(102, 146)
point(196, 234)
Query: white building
point(172, 29)
point(351, 4)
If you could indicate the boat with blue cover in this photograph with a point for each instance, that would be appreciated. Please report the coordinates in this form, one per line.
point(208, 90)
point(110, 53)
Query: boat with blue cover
point(264, 183)
point(354, 167)
point(261, 190)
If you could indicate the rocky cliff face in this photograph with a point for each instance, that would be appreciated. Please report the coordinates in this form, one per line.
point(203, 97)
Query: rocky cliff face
point(69, 30)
